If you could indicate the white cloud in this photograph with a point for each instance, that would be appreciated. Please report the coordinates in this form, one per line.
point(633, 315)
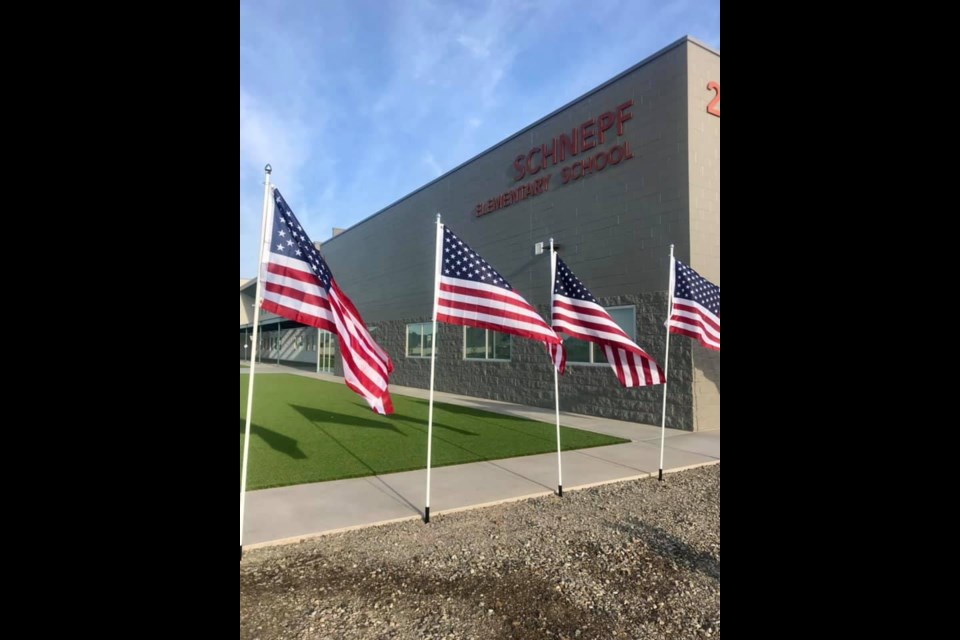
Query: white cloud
point(362, 102)
point(480, 49)
point(432, 163)
point(265, 138)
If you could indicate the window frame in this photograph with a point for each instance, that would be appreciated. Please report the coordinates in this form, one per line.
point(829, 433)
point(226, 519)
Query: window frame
point(406, 348)
point(486, 346)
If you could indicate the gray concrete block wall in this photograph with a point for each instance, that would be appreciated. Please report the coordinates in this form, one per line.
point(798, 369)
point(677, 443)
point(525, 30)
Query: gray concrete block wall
point(528, 377)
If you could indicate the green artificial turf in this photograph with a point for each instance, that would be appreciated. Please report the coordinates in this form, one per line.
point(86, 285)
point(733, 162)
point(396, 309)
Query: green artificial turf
point(307, 430)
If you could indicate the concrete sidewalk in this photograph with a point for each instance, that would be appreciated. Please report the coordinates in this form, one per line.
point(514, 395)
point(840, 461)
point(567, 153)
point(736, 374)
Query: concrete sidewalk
point(290, 513)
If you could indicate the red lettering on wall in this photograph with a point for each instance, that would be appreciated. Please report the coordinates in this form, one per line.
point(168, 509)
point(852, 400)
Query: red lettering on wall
point(604, 122)
point(549, 153)
point(568, 144)
point(586, 133)
point(531, 166)
point(623, 115)
point(590, 134)
point(501, 200)
point(619, 156)
point(714, 106)
point(521, 170)
point(596, 164)
point(586, 136)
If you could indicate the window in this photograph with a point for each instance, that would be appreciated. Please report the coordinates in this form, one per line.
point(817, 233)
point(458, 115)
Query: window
point(420, 340)
point(484, 344)
point(579, 351)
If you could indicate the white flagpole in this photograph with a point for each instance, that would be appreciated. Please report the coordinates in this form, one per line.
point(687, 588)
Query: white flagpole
point(556, 382)
point(253, 356)
point(666, 364)
point(433, 362)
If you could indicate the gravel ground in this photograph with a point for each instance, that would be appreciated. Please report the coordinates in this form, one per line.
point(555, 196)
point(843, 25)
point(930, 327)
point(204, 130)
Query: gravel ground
point(636, 559)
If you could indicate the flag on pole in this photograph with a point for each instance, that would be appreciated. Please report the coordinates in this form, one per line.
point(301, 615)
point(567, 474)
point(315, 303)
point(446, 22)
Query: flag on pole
point(696, 306)
point(474, 294)
point(578, 314)
point(298, 284)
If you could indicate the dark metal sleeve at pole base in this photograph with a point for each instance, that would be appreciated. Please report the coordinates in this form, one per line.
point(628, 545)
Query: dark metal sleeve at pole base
point(426, 515)
point(241, 552)
point(661, 475)
point(560, 490)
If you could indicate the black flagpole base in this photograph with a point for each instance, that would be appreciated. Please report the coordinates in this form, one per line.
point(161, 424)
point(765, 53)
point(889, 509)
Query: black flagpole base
point(661, 475)
point(560, 490)
point(426, 515)
point(241, 552)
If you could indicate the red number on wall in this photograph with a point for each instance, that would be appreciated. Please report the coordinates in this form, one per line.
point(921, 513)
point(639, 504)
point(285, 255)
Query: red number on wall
point(714, 106)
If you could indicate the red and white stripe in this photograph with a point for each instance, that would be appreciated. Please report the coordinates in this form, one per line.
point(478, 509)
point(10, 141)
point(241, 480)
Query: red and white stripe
point(590, 322)
point(692, 319)
point(558, 354)
point(484, 306)
point(291, 290)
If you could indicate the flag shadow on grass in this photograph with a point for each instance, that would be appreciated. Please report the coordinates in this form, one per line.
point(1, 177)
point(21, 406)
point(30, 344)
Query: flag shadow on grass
point(482, 414)
point(418, 421)
point(422, 428)
point(471, 411)
point(276, 441)
point(318, 416)
point(411, 419)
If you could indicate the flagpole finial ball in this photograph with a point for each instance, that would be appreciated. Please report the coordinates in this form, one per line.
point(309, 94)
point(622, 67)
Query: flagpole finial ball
point(268, 169)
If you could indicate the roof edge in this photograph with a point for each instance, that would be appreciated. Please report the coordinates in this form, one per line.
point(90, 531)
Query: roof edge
point(701, 44)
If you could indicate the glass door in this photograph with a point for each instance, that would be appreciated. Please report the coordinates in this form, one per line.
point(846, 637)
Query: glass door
point(325, 352)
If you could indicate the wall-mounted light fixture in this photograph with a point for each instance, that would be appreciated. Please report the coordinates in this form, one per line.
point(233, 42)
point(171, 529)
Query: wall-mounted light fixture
point(539, 247)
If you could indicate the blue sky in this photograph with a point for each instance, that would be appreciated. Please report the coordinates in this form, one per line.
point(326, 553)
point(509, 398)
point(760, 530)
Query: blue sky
point(357, 103)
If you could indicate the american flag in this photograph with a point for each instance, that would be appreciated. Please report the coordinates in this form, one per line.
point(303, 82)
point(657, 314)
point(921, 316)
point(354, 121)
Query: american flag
point(578, 314)
point(298, 284)
point(474, 294)
point(696, 306)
